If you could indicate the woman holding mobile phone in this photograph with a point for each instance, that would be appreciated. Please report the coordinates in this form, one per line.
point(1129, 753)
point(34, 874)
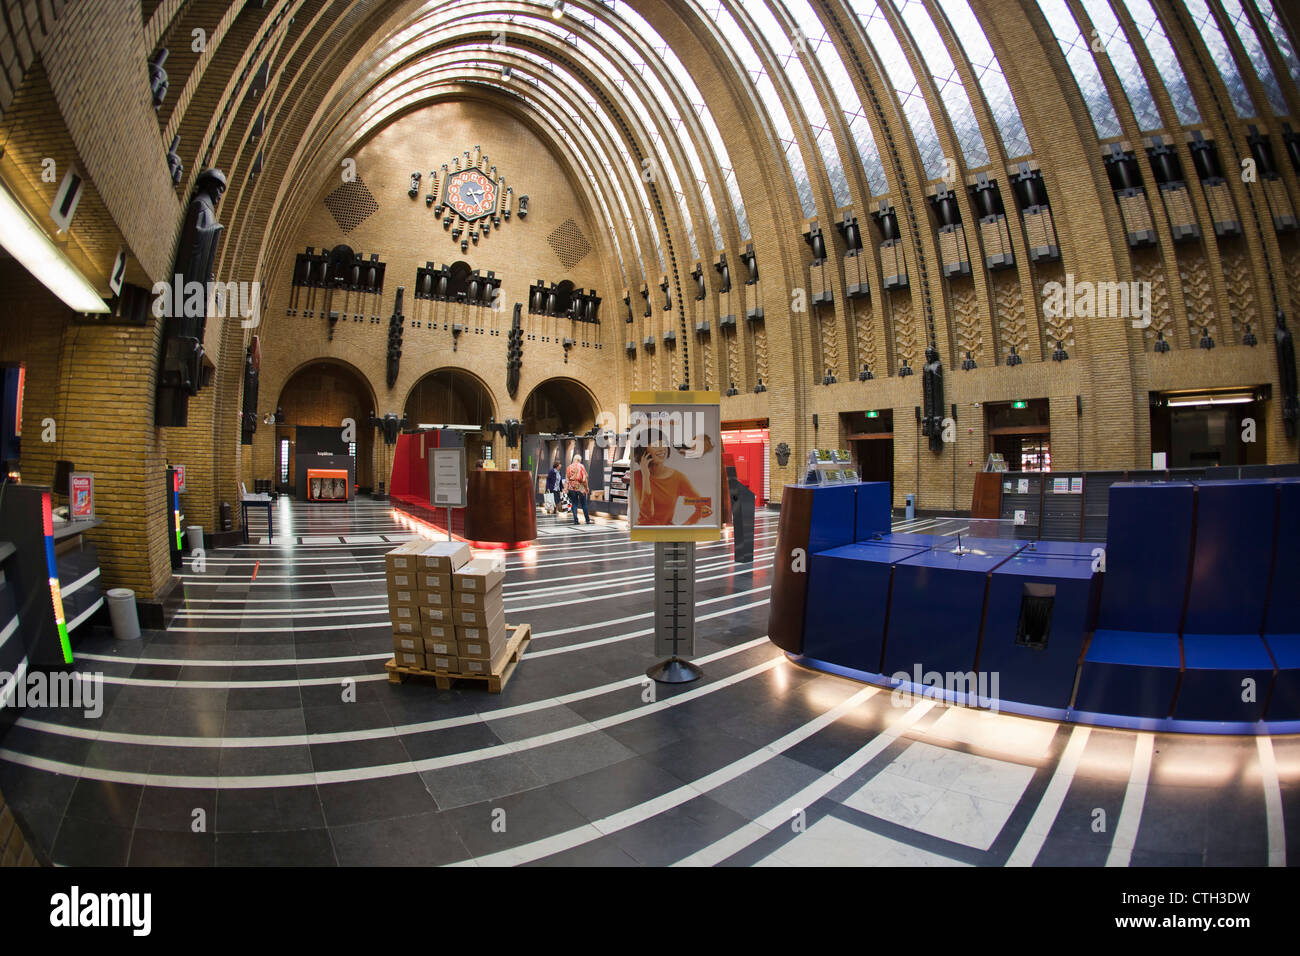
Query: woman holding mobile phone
point(656, 487)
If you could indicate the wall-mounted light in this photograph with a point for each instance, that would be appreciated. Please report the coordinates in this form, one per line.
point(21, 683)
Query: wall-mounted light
point(28, 243)
point(557, 9)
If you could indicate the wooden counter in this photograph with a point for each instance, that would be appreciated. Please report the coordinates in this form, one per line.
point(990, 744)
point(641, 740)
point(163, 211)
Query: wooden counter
point(500, 507)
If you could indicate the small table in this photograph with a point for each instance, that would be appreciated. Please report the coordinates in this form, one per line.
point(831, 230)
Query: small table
point(247, 501)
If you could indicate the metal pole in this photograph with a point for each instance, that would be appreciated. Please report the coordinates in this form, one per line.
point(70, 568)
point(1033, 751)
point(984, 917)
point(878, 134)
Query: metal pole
point(674, 612)
point(448, 522)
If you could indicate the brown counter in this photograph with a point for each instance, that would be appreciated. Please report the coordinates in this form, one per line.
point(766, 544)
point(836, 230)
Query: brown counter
point(500, 507)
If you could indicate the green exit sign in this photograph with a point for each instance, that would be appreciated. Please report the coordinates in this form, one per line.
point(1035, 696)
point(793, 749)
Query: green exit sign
point(873, 414)
point(1019, 404)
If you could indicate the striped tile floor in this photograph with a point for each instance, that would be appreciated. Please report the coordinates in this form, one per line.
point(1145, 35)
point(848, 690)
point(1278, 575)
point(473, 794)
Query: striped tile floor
point(261, 729)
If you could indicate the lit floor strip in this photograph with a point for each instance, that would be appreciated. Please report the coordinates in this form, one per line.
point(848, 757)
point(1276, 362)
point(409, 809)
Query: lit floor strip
point(1135, 797)
point(780, 815)
point(1272, 801)
point(560, 842)
point(1031, 841)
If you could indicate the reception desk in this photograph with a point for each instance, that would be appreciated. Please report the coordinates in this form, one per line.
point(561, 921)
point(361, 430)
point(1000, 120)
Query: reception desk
point(1191, 600)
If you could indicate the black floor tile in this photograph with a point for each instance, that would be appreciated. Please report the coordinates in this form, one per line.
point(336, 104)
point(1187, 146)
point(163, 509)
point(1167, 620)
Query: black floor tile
point(426, 839)
point(383, 798)
point(271, 808)
point(172, 848)
point(105, 802)
point(276, 848)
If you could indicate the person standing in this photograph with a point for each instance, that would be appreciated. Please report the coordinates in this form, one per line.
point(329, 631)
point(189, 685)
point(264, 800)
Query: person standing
point(576, 479)
point(554, 485)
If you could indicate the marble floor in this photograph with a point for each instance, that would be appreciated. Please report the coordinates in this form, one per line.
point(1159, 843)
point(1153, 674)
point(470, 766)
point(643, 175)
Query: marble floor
point(261, 729)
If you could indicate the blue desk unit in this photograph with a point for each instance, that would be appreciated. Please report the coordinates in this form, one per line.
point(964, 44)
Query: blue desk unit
point(848, 602)
point(937, 605)
point(1198, 607)
point(1282, 617)
point(1049, 577)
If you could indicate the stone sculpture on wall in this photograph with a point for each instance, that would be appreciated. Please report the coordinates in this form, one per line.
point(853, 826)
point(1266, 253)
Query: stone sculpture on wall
point(514, 353)
point(181, 373)
point(395, 323)
point(932, 397)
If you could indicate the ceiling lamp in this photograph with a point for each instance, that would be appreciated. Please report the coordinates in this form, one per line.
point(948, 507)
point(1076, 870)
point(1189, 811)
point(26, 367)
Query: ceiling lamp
point(1161, 344)
point(28, 243)
point(1014, 357)
point(1206, 341)
point(968, 363)
point(905, 370)
point(557, 9)
point(865, 375)
point(1249, 337)
point(1060, 354)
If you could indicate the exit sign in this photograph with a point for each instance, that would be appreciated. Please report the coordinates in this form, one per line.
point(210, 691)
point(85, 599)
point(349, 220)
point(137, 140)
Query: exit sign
point(1019, 404)
point(873, 414)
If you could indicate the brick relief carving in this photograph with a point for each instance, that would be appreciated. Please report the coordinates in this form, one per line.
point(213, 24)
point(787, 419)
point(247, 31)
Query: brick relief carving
point(967, 320)
point(1010, 308)
point(1057, 328)
point(865, 342)
point(905, 343)
point(1150, 269)
point(760, 351)
point(1198, 293)
point(731, 358)
point(830, 342)
point(1241, 293)
point(706, 360)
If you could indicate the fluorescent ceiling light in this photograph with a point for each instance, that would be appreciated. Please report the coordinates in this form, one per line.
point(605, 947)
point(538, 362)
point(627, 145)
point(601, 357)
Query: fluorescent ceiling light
point(1211, 400)
point(28, 243)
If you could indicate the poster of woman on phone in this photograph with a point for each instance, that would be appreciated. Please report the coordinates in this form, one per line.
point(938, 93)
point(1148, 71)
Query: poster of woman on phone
point(675, 449)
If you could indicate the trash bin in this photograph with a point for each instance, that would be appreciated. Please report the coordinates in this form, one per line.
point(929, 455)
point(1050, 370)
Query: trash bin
point(194, 537)
point(121, 610)
point(911, 506)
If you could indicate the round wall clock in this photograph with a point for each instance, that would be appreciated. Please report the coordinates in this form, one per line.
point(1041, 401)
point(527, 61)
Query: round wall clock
point(471, 194)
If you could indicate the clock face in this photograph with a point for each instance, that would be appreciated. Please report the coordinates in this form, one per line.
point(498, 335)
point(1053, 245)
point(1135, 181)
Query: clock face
point(471, 194)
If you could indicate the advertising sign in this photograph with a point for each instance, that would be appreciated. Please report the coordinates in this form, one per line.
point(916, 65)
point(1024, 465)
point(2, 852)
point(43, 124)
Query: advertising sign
point(675, 451)
point(447, 477)
point(81, 497)
point(180, 477)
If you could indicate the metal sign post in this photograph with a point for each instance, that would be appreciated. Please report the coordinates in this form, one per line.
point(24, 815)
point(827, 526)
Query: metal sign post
point(675, 500)
point(674, 612)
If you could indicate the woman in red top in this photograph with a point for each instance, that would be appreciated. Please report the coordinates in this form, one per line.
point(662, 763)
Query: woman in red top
point(656, 488)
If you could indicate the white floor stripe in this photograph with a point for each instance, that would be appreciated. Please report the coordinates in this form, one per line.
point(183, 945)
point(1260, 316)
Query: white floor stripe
point(1031, 841)
point(538, 849)
point(1135, 796)
point(781, 814)
point(370, 733)
point(1272, 801)
point(379, 771)
point(10, 630)
point(567, 648)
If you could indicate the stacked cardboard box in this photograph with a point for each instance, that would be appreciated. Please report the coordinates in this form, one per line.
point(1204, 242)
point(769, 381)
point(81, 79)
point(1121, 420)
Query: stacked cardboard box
point(479, 614)
point(420, 601)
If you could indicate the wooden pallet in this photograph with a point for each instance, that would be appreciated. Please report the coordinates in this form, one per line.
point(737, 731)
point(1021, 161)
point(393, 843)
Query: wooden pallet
point(521, 635)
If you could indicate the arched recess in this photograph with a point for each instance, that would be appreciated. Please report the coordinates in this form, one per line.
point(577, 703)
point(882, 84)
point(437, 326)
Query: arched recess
point(322, 393)
point(452, 396)
point(559, 406)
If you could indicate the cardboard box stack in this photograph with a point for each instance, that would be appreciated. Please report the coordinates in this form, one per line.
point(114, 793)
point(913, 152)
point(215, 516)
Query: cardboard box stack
point(420, 602)
point(479, 614)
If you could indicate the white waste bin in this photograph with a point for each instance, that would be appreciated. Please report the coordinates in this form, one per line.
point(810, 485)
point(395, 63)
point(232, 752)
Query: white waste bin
point(121, 610)
point(194, 537)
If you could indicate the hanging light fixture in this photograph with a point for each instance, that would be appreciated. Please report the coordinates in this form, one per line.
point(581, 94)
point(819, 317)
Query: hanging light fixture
point(1161, 344)
point(1060, 354)
point(968, 363)
point(905, 370)
point(1014, 357)
point(1249, 337)
point(865, 375)
point(733, 390)
point(760, 387)
point(1206, 341)
point(829, 378)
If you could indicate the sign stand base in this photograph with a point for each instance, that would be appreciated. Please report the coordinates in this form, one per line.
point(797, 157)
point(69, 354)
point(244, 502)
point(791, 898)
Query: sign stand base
point(674, 671)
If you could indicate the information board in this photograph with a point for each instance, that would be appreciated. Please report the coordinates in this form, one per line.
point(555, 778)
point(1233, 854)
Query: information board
point(447, 477)
point(81, 497)
point(675, 479)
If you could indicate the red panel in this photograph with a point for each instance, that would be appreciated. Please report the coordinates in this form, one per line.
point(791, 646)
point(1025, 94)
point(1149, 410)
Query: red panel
point(410, 476)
